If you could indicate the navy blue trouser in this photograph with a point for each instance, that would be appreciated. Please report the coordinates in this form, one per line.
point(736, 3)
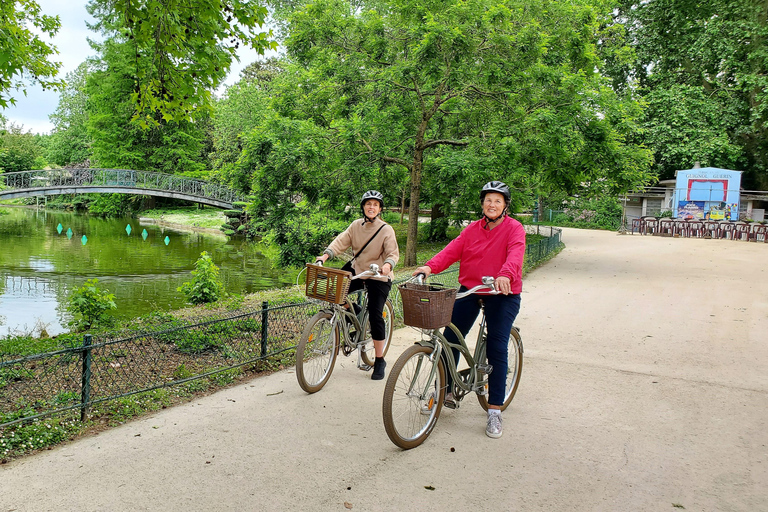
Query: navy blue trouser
point(500, 314)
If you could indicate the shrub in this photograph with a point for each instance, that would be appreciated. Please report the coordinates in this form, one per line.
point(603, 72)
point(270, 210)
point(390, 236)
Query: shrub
point(205, 285)
point(89, 305)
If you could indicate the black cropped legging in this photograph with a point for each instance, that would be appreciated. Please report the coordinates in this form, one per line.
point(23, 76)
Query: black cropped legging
point(378, 291)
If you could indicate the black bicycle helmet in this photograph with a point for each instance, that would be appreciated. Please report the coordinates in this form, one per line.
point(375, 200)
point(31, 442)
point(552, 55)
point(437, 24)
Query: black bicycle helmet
point(495, 186)
point(372, 194)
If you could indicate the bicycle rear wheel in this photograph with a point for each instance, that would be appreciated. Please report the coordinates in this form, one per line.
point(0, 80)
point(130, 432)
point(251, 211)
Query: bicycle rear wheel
point(412, 398)
point(514, 370)
point(316, 352)
point(369, 352)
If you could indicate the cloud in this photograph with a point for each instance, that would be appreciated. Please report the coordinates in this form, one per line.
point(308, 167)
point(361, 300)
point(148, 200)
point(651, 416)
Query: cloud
point(32, 110)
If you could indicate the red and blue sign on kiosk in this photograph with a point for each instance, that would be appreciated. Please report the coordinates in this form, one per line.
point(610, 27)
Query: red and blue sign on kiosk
point(707, 193)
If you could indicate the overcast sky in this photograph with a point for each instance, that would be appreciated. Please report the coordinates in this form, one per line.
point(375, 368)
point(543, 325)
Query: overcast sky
point(32, 111)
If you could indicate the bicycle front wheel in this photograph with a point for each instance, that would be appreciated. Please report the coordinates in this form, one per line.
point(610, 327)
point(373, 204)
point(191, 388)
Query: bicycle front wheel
point(514, 370)
point(413, 397)
point(316, 352)
point(369, 352)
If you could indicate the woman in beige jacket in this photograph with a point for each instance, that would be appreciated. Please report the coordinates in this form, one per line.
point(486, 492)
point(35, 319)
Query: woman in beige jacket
point(383, 251)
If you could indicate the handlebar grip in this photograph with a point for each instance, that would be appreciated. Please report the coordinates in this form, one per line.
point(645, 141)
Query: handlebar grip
point(319, 262)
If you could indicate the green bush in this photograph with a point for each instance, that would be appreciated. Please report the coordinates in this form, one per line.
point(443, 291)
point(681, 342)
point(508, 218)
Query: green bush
point(89, 305)
point(206, 286)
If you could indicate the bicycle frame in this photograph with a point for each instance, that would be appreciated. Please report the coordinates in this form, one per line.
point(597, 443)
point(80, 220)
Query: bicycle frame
point(468, 380)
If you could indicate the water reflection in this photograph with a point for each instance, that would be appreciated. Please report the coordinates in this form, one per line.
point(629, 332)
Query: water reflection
point(39, 266)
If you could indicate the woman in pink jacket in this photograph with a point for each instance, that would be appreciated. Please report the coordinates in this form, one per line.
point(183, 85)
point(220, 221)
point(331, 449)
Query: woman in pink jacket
point(492, 246)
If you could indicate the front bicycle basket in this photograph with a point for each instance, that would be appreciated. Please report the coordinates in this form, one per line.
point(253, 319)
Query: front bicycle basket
point(328, 284)
point(427, 306)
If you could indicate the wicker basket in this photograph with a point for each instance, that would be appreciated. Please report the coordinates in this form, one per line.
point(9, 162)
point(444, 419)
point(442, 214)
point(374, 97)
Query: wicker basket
point(328, 284)
point(427, 306)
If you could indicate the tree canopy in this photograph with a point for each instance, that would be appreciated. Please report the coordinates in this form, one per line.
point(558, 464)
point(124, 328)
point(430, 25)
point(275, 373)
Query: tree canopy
point(25, 57)
point(178, 51)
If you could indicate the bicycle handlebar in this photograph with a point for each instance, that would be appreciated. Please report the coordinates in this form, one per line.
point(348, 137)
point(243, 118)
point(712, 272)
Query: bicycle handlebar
point(489, 282)
point(372, 271)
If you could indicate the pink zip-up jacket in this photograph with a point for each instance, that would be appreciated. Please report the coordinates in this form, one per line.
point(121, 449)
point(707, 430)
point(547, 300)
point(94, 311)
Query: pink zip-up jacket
point(482, 252)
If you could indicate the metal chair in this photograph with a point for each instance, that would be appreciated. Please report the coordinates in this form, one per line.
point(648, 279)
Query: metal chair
point(681, 227)
point(758, 233)
point(637, 224)
point(710, 229)
point(696, 228)
point(666, 226)
point(741, 231)
point(725, 230)
point(651, 225)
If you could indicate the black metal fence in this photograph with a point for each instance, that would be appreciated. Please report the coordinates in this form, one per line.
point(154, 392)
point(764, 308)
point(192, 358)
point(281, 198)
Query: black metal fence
point(110, 366)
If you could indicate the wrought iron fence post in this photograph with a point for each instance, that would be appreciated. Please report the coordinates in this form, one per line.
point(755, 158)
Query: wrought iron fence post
point(85, 393)
point(264, 327)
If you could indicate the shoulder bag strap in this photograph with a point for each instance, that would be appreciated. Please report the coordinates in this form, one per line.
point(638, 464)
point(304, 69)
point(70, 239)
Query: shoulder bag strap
point(366, 243)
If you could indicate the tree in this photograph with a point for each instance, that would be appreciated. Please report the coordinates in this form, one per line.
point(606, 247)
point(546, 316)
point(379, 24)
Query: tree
point(179, 50)
point(70, 143)
point(24, 56)
point(19, 150)
point(168, 146)
point(711, 57)
point(510, 83)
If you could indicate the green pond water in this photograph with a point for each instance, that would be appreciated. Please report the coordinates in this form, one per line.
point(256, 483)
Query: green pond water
point(39, 266)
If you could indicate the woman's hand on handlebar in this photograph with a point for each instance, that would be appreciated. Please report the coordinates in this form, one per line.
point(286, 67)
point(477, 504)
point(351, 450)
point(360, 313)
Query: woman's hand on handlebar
point(503, 285)
point(321, 259)
point(386, 269)
point(423, 270)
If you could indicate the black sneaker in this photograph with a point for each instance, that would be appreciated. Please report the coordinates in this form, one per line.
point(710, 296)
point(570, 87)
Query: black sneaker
point(378, 368)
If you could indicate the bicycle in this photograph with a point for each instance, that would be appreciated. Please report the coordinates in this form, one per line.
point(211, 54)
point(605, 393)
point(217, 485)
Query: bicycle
point(415, 391)
point(336, 329)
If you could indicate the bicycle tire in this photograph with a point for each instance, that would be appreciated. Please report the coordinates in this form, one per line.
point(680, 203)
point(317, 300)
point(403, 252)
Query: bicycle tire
point(316, 352)
point(411, 404)
point(514, 370)
point(369, 352)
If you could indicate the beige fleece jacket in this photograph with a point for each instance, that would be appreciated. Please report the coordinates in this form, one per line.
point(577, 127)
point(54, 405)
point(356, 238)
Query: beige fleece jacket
point(383, 249)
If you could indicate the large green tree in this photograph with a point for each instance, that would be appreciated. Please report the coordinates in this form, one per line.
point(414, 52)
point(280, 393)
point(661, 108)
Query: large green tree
point(510, 84)
point(703, 68)
point(179, 51)
point(69, 142)
point(167, 146)
point(24, 56)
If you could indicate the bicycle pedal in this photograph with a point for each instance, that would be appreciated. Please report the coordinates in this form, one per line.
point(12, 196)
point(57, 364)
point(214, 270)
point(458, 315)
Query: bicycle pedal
point(365, 367)
point(485, 368)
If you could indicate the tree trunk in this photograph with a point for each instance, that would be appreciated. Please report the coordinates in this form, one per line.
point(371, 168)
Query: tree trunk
point(402, 205)
point(413, 210)
point(436, 233)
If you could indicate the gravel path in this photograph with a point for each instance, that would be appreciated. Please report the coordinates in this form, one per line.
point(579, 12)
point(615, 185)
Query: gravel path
point(645, 388)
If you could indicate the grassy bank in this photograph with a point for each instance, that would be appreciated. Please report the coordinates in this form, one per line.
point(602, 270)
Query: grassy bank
point(190, 216)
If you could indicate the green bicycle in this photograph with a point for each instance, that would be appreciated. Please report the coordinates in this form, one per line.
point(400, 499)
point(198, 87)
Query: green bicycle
point(336, 328)
point(416, 387)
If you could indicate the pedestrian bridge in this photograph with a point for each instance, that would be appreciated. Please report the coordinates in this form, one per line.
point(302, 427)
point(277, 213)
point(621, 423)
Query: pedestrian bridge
point(54, 182)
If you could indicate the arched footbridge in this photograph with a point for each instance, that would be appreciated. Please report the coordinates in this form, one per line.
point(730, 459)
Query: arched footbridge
point(115, 181)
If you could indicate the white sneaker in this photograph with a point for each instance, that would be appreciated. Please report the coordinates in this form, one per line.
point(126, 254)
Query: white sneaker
point(493, 429)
